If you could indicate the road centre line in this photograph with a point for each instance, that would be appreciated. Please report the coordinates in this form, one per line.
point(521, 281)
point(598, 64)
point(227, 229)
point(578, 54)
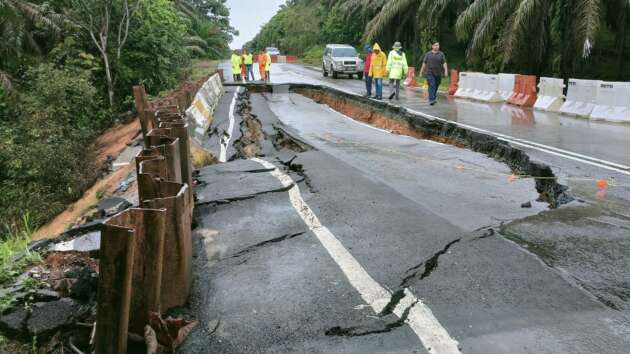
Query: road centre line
point(225, 141)
point(420, 319)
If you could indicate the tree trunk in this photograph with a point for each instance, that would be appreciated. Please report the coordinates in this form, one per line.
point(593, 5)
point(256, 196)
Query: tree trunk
point(110, 81)
point(622, 41)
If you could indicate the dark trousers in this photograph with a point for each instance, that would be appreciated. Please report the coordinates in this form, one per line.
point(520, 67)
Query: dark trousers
point(236, 77)
point(434, 83)
point(267, 76)
point(394, 87)
point(368, 84)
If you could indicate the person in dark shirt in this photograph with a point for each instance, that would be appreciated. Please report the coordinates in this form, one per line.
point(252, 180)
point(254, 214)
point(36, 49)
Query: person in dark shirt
point(434, 66)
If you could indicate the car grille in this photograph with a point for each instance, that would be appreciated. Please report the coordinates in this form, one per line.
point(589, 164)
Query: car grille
point(349, 63)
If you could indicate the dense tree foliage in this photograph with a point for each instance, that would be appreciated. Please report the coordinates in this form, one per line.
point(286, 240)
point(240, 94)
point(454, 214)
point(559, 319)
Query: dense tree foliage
point(579, 38)
point(66, 72)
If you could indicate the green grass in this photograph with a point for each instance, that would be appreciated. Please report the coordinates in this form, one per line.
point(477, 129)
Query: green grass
point(201, 68)
point(13, 242)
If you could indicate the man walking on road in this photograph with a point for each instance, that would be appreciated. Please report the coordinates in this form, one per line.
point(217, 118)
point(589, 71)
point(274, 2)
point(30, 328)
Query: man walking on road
point(378, 69)
point(248, 60)
point(397, 69)
point(366, 70)
point(236, 66)
point(434, 65)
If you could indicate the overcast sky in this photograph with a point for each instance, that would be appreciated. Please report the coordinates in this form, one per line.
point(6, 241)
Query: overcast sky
point(247, 16)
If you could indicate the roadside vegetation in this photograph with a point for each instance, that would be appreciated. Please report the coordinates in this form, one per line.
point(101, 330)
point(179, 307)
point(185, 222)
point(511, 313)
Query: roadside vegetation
point(561, 38)
point(65, 79)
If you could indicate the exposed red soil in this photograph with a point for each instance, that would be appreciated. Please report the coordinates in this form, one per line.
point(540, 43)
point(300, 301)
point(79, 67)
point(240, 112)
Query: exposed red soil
point(371, 116)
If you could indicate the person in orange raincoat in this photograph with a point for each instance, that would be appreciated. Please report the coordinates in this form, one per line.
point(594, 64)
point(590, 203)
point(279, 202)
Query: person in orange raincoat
point(243, 67)
point(262, 63)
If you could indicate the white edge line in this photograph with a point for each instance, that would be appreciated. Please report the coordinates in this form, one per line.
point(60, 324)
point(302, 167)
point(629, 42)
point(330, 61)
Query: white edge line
point(420, 319)
point(225, 143)
point(531, 145)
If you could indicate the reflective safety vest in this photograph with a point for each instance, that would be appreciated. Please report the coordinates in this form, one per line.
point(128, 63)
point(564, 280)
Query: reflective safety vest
point(268, 62)
point(249, 59)
point(397, 65)
point(236, 64)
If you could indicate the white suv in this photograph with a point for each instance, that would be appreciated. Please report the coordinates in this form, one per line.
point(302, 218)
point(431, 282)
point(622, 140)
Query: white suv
point(342, 59)
point(272, 51)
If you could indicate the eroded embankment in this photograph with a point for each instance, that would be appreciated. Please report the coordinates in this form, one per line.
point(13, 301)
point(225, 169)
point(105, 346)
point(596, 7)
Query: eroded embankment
point(399, 120)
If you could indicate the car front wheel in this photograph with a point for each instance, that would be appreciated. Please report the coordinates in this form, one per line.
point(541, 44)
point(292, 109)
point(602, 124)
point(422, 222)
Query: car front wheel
point(334, 73)
point(324, 71)
point(360, 76)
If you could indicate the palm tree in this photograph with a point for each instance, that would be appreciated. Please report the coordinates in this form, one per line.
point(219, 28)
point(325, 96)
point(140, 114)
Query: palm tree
point(523, 28)
point(20, 22)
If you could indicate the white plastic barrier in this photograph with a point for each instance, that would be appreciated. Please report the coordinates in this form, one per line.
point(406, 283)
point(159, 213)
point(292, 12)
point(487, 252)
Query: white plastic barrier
point(282, 59)
point(550, 94)
point(581, 96)
point(612, 102)
point(200, 113)
point(486, 88)
point(506, 85)
point(465, 88)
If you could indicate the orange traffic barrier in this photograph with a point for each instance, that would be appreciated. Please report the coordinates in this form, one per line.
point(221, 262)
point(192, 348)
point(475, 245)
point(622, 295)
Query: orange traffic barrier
point(425, 88)
point(274, 58)
point(291, 59)
point(524, 91)
point(410, 81)
point(454, 86)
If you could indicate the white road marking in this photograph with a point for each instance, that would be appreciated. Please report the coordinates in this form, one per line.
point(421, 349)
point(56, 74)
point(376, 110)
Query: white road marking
point(225, 140)
point(119, 164)
point(589, 160)
point(536, 146)
point(420, 319)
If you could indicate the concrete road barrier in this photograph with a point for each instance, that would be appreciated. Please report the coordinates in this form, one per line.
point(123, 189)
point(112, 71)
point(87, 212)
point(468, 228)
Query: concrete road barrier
point(581, 96)
point(486, 88)
point(465, 88)
point(506, 85)
point(612, 102)
point(550, 94)
point(200, 113)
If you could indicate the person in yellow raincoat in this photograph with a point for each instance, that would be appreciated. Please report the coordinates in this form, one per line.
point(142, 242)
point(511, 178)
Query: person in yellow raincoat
point(262, 64)
point(378, 69)
point(267, 66)
point(236, 66)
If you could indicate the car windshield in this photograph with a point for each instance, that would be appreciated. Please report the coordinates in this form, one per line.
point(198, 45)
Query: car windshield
point(271, 49)
point(344, 52)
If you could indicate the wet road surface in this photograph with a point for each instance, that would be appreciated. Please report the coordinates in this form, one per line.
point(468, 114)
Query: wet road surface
point(370, 242)
point(598, 142)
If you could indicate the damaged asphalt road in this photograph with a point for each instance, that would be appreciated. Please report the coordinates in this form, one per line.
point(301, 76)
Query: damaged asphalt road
point(266, 282)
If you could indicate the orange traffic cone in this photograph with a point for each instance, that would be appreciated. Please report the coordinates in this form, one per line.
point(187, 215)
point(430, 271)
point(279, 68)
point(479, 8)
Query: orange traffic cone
point(425, 88)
